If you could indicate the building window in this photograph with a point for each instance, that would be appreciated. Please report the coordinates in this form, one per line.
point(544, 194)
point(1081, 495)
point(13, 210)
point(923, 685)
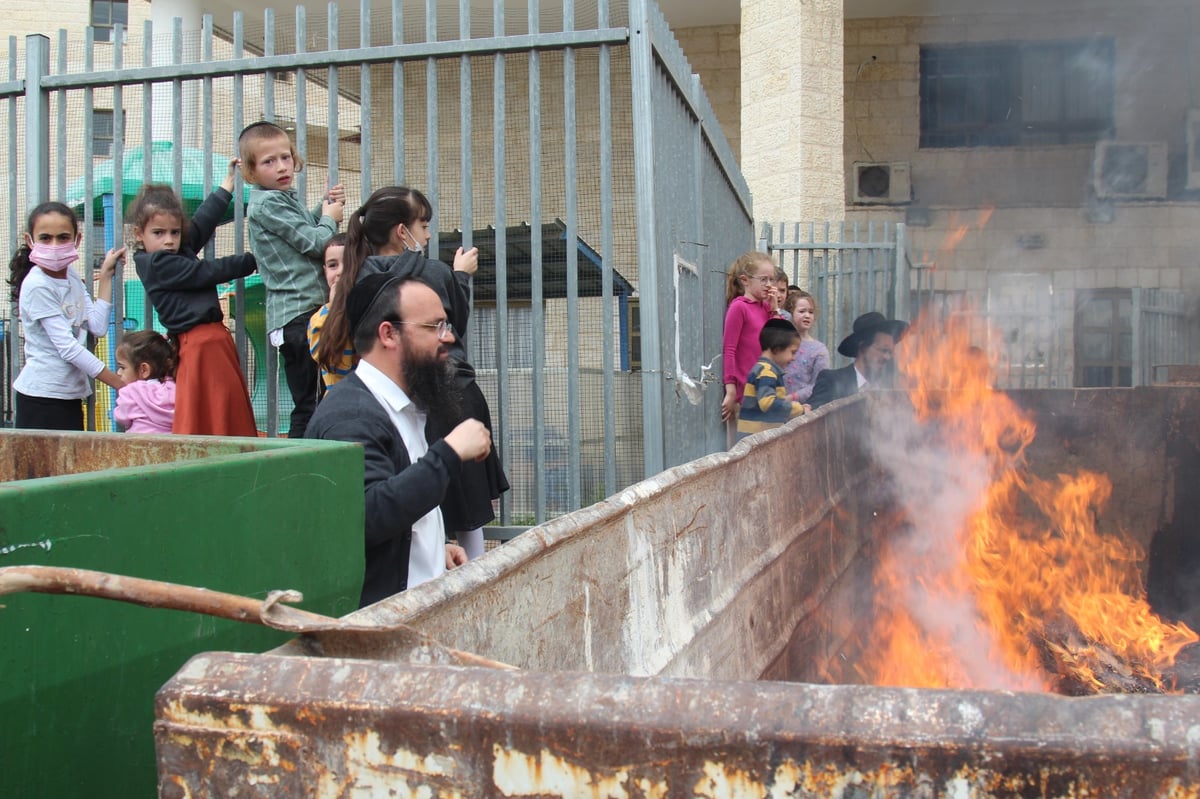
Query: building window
point(106, 14)
point(1104, 339)
point(1009, 95)
point(102, 132)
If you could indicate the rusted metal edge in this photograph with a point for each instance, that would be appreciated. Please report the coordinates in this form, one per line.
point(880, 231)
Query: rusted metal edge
point(264, 725)
point(533, 543)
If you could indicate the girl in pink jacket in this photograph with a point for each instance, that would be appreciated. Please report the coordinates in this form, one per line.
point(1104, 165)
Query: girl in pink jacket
point(747, 293)
point(146, 403)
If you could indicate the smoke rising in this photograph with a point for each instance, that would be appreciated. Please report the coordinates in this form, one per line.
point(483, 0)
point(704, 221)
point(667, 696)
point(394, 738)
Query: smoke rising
point(938, 486)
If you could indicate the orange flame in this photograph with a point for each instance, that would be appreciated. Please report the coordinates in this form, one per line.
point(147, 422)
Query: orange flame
point(957, 230)
point(1019, 587)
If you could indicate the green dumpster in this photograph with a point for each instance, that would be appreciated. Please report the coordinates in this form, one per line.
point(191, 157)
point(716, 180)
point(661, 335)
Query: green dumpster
point(245, 516)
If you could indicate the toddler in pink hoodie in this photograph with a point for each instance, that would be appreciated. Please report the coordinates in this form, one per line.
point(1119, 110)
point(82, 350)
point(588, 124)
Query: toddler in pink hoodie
point(146, 403)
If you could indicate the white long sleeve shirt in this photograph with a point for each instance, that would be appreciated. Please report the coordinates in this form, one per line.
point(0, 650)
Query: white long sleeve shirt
point(56, 316)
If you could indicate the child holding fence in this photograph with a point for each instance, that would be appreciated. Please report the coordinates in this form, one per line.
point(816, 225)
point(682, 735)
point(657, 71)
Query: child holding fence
point(56, 316)
point(289, 242)
point(211, 394)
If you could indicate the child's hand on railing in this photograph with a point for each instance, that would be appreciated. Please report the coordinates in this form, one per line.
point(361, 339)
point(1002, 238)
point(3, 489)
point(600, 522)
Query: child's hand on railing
point(108, 267)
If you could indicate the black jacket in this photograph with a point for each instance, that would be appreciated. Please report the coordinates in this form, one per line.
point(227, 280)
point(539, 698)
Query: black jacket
point(453, 288)
point(397, 491)
point(181, 286)
point(834, 384)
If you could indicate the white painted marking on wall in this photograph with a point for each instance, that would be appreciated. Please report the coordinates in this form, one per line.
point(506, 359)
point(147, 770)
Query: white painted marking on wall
point(44, 544)
point(684, 382)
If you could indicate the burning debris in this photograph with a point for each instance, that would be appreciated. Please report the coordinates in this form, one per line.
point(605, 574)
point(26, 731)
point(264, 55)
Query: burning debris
point(1000, 579)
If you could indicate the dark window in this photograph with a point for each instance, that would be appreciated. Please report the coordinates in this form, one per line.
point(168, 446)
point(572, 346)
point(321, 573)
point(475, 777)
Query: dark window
point(1104, 339)
point(106, 14)
point(102, 132)
point(1009, 95)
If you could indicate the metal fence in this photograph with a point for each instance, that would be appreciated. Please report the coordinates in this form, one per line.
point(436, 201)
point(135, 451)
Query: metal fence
point(849, 268)
point(535, 135)
point(1166, 332)
point(1039, 338)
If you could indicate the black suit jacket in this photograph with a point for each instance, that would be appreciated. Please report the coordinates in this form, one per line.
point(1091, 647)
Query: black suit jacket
point(397, 492)
point(834, 384)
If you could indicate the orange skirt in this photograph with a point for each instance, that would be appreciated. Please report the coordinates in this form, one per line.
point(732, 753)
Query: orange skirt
point(211, 398)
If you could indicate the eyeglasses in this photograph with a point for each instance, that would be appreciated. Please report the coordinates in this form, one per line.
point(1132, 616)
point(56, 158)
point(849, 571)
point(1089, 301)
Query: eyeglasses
point(441, 329)
point(762, 278)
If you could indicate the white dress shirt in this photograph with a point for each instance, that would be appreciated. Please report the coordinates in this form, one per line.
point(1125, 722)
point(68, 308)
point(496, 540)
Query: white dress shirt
point(862, 381)
point(427, 555)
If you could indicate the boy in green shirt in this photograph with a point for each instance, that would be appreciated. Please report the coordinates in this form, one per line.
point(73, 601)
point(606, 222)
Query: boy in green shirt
point(288, 241)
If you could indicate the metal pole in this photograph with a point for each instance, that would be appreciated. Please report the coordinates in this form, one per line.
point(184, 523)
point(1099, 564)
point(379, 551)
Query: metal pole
point(11, 331)
point(641, 64)
point(432, 133)
point(574, 429)
point(903, 276)
point(147, 308)
point(537, 310)
point(37, 120)
point(606, 257)
point(500, 203)
point(364, 117)
point(1140, 348)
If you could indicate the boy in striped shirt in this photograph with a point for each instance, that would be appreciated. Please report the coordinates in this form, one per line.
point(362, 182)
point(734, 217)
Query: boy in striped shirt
point(765, 403)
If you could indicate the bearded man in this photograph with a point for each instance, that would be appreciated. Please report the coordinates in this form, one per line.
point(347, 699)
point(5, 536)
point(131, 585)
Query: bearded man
point(872, 345)
point(403, 378)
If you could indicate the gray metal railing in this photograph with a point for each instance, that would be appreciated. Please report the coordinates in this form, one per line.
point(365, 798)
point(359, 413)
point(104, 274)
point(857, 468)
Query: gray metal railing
point(585, 118)
point(850, 269)
point(1165, 333)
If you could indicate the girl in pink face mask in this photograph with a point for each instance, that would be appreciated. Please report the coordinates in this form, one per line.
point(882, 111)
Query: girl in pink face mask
point(56, 314)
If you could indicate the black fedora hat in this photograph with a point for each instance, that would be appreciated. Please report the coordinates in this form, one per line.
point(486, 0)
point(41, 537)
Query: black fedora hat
point(865, 328)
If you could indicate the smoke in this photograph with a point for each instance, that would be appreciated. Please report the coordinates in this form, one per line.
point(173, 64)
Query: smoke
point(937, 487)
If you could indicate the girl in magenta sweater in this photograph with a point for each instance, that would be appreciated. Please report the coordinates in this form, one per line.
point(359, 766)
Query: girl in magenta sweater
point(747, 290)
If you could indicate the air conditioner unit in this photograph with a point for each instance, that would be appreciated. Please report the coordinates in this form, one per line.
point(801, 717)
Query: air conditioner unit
point(1130, 170)
point(881, 183)
point(1193, 149)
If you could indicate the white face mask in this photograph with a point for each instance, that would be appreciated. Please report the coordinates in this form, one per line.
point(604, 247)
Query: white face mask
point(53, 257)
point(414, 247)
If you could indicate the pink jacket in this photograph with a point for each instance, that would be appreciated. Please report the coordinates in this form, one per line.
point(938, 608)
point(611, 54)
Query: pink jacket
point(740, 348)
point(146, 406)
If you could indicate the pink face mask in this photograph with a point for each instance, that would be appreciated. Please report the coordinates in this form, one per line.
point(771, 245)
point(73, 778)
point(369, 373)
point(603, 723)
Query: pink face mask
point(54, 257)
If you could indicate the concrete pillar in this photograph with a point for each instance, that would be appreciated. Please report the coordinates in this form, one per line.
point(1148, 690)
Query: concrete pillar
point(792, 108)
point(163, 14)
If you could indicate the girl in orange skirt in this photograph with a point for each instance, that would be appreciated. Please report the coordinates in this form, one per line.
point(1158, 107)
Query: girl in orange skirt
point(210, 390)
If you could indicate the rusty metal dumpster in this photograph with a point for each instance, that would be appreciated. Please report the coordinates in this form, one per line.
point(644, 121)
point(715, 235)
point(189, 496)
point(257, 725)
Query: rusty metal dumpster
point(240, 515)
point(672, 638)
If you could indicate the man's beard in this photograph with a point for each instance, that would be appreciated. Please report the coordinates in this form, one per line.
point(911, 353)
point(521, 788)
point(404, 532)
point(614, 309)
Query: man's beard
point(430, 384)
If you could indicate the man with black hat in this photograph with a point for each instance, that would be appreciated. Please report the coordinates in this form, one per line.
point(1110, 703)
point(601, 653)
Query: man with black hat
point(872, 345)
point(400, 331)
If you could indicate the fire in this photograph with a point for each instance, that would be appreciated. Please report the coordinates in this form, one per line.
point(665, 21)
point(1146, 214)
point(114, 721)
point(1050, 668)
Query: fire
point(957, 230)
point(1004, 580)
